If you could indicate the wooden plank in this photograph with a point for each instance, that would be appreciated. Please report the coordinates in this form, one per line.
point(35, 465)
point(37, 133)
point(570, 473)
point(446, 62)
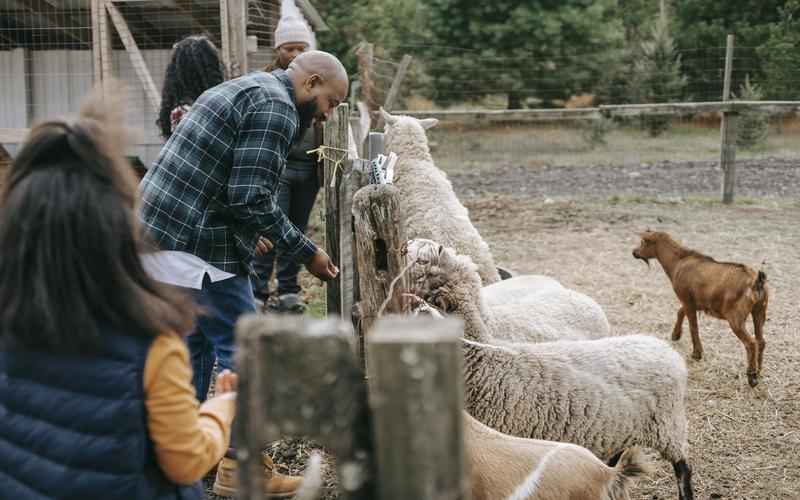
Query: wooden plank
point(621, 110)
point(397, 83)
point(237, 37)
point(728, 131)
point(335, 137)
point(106, 54)
point(226, 39)
point(365, 55)
point(302, 378)
point(394, 90)
point(96, 51)
point(346, 262)
point(139, 66)
point(416, 393)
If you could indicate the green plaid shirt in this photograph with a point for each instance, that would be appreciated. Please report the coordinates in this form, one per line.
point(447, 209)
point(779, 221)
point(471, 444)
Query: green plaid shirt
point(213, 189)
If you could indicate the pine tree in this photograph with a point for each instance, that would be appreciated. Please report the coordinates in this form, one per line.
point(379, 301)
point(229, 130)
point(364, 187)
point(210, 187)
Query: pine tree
point(753, 125)
point(657, 75)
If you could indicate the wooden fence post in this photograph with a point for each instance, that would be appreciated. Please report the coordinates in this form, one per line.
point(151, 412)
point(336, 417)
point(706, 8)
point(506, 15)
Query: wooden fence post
point(375, 145)
point(728, 131)
point(380, 237)
point(417, 396)
point(365, 55)
point(300, 377)
point(237, 38)
point(335, 136)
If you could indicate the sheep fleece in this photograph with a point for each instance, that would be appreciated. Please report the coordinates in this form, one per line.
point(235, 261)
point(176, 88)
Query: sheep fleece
point(605, 395)
point(430, 206)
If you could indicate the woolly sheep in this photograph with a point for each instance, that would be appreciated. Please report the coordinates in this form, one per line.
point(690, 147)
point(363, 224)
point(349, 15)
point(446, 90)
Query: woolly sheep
point(531, 308)
point(513, 468)
point(430, 206)
point(606, 395)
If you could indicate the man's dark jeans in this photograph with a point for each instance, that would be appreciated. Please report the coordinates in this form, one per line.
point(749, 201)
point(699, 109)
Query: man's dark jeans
point(296, 195)
point(223, 302)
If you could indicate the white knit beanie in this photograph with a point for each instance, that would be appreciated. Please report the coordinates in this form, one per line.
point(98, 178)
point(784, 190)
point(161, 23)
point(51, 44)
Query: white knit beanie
point(292, 30)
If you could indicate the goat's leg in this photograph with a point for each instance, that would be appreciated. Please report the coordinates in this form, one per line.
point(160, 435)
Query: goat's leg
point(678, 330)
point(697, 346)
point(750, 347)
point(683, 473)
point(759, 318)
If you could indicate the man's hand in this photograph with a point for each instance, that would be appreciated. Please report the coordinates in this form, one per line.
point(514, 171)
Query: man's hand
point(263, 246)
point(321, 266)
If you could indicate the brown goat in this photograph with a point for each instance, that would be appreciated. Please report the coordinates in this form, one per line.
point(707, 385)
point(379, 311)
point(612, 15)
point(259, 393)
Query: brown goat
point(723, 290)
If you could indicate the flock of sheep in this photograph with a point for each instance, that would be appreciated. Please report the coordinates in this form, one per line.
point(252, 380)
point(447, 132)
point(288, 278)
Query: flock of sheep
point(556, 404)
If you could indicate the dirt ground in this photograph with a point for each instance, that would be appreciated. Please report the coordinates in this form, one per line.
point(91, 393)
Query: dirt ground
point(580, 224)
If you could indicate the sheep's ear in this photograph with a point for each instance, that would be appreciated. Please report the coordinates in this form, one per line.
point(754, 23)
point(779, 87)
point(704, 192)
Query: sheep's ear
point(428, 123)
point(389, 119)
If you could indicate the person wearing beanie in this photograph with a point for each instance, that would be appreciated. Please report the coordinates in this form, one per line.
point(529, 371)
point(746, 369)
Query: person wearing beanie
point(298, 187)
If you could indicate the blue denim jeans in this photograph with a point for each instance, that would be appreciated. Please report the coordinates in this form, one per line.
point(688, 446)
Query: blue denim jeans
point(213, 339)
point(296, 195)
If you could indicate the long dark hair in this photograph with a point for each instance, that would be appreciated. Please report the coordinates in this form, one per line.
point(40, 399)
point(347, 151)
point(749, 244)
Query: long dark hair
point(194, 67)
point(70, 244)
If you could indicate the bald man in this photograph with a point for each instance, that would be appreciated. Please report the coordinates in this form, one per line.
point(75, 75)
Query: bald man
point(209, 200)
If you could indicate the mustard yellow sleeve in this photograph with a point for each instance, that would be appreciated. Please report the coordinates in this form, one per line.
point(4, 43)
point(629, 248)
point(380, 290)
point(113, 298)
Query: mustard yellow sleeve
point(188, 440)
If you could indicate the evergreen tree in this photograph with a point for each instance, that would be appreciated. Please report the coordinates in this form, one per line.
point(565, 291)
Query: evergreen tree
point(753, 125)
point(656, 75)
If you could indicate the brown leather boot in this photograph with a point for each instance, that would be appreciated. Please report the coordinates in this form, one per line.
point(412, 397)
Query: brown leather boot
point(277, 485)
point(226, 479)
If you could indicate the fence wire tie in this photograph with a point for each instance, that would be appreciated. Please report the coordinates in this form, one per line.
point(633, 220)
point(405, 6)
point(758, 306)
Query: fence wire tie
point(322, 151)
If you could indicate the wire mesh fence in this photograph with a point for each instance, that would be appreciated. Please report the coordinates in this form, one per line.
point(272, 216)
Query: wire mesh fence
point(487, 147)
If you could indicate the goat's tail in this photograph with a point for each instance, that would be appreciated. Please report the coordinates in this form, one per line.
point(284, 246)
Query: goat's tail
point(761, 280)
point(631, 465)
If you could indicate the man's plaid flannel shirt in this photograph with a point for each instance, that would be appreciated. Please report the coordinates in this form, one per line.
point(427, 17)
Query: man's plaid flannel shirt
point(213, 189)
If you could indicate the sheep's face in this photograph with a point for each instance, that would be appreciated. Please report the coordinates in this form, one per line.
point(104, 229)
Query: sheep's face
point(647, 246)
point(405, 131)
point(435, 275)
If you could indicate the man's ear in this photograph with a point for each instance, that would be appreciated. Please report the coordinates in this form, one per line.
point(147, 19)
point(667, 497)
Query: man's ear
point(312, 82)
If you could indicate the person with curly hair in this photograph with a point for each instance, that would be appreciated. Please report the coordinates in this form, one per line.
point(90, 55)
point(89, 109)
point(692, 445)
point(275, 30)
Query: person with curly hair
point(298, 188)
point(194, 67)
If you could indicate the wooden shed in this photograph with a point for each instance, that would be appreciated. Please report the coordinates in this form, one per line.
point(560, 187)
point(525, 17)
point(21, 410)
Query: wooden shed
point(53, 51)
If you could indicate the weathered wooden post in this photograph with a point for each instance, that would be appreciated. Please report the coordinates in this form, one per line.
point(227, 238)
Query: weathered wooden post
point(394, 90)
point(300, 377)
point(335, 163)
point(728, 131)
point(233, 16)
point(380, 237)
point(365, 55)
point(416, 394)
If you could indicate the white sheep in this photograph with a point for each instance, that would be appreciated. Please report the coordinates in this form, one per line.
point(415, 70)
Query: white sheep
point(429, 205)
point(514, 468)
point(606, 395)
point(530, 308)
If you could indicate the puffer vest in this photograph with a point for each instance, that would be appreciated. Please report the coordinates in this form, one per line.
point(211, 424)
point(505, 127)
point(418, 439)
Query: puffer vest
point(74, 427)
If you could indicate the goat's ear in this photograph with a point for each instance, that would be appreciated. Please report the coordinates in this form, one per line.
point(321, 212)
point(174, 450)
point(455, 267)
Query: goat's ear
point(389, 119)
point(428, 123)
